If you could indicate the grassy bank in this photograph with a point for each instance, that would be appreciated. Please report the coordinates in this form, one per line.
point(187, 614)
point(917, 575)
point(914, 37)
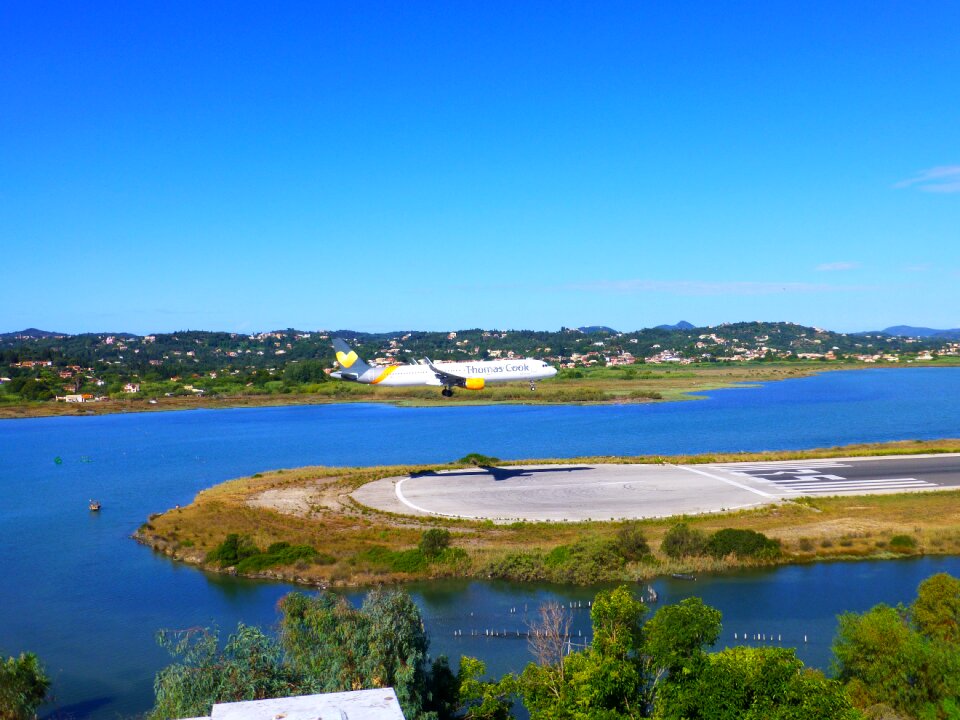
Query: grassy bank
point(302, 525)
point(625, 384)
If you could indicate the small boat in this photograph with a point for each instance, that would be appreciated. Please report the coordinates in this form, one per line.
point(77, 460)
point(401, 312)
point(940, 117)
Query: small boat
point(94, 506)
point(684, 576)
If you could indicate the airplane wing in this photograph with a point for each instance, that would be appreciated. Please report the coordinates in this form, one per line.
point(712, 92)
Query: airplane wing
point(445, 377)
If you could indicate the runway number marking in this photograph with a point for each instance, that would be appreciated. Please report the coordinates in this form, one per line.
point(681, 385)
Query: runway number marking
point(810, 478)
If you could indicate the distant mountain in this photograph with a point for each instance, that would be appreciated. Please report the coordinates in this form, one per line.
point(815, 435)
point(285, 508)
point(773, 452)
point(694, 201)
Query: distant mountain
point(682, 325)
point(31, 333)
point(916, 332)
point(590, 329)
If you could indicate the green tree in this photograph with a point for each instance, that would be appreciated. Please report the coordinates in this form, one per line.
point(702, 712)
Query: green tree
point(383, 644)
point(304, 372)
point(632, 542)
point(742, 543)
point(36, 390)
point(676, 636)
point(602, 681)
point(936, 611)
point(249, 667)
point(880, 659)
point(433, 542)
point(904, 658)
point(480, 699)
point(681, 540)
point(752, 684)
point(234, 549)
point(23, 687)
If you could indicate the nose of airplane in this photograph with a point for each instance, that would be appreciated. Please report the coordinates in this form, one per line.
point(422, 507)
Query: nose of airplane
point(551, 370)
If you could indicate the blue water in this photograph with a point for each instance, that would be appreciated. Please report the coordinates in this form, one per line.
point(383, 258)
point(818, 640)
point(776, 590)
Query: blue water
point(85, 597)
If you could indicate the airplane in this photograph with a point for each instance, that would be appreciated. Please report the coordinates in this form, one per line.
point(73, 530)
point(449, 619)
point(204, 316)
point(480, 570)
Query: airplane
point(471, 375)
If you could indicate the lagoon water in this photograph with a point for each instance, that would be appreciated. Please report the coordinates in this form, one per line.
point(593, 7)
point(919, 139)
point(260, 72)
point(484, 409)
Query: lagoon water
point(88, 600)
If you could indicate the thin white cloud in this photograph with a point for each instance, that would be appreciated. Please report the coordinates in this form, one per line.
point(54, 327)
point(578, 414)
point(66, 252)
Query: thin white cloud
point(834, 266)
point(919, 267)
point(940, 179)
point(700, 287)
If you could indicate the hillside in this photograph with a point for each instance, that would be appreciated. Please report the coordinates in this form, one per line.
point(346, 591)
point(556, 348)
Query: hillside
point(38, 365)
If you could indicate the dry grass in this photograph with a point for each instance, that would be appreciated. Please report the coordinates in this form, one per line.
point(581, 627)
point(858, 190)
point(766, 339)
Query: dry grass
point(820, 528)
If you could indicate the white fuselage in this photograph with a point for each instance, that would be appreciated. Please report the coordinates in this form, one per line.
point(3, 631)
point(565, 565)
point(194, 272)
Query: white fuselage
point(490, 371)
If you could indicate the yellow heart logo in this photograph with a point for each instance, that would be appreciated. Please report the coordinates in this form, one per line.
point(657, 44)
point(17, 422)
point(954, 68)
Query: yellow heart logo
point(346, 359)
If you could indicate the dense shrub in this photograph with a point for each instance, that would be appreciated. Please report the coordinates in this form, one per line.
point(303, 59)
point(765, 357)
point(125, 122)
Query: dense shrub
point(631, 541)
point(23, 687)
point(586, 561)
point(433, 542)
point(477, 459)
point(902, 543)
point(408, 561)
point(305, 372)
point(453, 557)
point(518, 566)
point(742, 543)
point(240, 552)
point(232, 550)
point(282, 554)
point(681, 541)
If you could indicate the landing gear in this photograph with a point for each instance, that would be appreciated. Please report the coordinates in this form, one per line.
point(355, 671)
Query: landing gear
point(447, 392)
point(532, 387)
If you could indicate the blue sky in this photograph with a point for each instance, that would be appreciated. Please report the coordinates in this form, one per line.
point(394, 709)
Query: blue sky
point(235, 166)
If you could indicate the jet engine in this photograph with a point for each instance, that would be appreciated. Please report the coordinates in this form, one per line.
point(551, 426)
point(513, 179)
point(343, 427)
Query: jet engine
point(473, 384)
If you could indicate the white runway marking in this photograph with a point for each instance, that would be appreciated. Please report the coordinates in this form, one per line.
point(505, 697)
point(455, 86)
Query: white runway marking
point(402, 498)
point(728, 481)
point(851, 485)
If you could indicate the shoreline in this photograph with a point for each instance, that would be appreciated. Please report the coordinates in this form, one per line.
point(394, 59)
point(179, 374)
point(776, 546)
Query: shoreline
point(359, 546)
point(680, 385)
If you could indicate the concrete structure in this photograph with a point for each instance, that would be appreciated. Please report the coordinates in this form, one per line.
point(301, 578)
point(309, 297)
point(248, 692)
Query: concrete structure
point(576, 492)
point(380, 704)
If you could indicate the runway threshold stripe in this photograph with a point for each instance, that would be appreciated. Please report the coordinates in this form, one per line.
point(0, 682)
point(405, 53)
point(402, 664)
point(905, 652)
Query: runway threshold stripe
point(854, 482)
point(865, 483)
point(780, 467)
point(728, 481)
point(841, 488)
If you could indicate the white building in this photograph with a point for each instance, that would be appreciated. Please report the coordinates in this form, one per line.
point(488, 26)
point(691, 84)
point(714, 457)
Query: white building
point(380, 704)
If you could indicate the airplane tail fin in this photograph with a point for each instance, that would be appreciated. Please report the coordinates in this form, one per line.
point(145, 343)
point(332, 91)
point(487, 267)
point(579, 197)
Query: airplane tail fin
point(352, 366)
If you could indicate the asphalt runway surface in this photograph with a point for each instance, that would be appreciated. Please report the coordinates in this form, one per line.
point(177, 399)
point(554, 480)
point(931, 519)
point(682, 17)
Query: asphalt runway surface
point(566, 493)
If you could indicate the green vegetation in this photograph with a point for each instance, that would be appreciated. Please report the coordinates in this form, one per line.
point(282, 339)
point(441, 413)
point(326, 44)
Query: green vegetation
point(896, 663)
point(240, 552)
point(433, 549)
point(357, 545)
point(434, 542)
point(742, 543)
point(325, 645)
point(905, 658)
point(590, 560)
point(902, 543)
point(378, 557)
point(23, 687)
point(683, 541)
point(477, 459)
point(187, 369)
point(632, 542)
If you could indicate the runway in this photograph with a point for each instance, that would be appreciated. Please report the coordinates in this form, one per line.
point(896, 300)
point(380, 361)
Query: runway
point(568, 493)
